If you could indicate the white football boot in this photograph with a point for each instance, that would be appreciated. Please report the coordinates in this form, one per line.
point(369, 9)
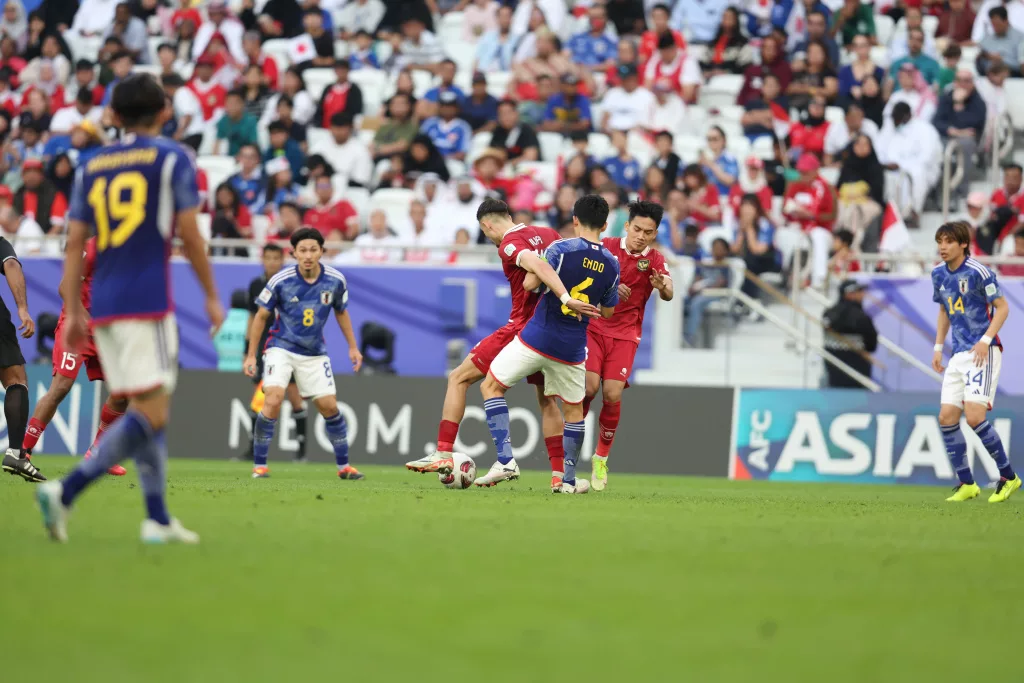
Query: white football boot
point(438, 461)
point(499, 473)
point(155, 533)
point(55, 515)
point(582, 486)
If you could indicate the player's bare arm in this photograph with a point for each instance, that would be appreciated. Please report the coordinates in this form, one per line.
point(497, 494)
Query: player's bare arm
point(16, 281)
point(259, 323)
point(542, 269)
point(663, 285)
point(76, 318)
point(195, 252)
point(1000, 313)
point(941, 330)
point(345, 323)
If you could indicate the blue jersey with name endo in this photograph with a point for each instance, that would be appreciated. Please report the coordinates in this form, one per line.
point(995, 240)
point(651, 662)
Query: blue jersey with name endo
point(967, 294)
point(130, 192)
point(591, 274)
point(303, 308)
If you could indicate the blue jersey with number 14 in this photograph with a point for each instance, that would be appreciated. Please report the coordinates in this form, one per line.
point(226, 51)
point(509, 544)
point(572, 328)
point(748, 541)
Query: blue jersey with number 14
point(130, 192)
point(967, 294)
point(591, 274)
point(303, 308)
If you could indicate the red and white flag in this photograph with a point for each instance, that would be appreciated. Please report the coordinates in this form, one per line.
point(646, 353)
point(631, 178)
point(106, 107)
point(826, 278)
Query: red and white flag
point(301, 49)
point(780, 120)
point(895, 236)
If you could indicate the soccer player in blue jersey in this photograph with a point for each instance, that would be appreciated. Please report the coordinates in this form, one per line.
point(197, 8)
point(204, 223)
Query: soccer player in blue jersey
point(136, 193)
point(554, 341)
point(972, 305)
point(303, 297)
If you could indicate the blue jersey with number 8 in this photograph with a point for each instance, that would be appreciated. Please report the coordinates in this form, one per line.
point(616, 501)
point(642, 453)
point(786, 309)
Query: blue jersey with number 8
point(591, 274)
point(303, 308)
point(130, 193)
point(966, 294)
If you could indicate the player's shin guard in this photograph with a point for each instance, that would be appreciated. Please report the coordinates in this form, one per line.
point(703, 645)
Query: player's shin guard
point(994, 445)
point(572, 442)
point(151, 460)
point(337, 432)
point(33, 433)
point(447, 432)
point(556, 453)
point(497, 421)
point(956, 451)
point(608, 423)
point(300, 432)
point(263, 434)
point(124, 439)
point(16, 412)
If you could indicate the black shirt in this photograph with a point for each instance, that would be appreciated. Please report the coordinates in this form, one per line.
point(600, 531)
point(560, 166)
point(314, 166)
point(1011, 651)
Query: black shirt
point(848, 318)
point(255, 287)
point(6, 254)
point(515, 141)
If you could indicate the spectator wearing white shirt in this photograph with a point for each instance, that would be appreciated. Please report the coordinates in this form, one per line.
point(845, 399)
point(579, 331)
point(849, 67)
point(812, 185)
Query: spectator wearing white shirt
point(628, 106)
point(669, 111)
point(377, 245)
point(220, 21)
point(25, 233)
point(94, 17)
point(457, 210)
point(416, 232)
point(348, 155)
point(991, 90)
point(360, 15)
point(49, 51)
point(417, 48)
point(495, 50)
point(66, 118)
point(478, 17)
point(674, 65)
point(898, 44)
point(187, 110)
point(841, 133)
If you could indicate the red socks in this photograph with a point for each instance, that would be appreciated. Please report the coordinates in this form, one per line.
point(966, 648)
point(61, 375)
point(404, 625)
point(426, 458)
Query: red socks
point(32, 433)
point(556, 453)
point(107, 418)
point(608, 422)
point(586, 406)
point(447, 432)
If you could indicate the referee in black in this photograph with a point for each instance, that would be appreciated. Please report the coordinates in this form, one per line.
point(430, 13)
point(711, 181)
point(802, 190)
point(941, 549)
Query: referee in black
point(12, 365)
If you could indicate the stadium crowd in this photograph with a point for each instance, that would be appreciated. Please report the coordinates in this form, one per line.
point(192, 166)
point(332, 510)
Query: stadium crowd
point(385, 122)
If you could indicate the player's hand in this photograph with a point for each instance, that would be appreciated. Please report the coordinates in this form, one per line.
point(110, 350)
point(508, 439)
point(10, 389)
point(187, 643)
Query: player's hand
point(980, 352)
point(27, 327)
point(356, 358)
point(215, 312)
point(583, 309)
point(937, 365)
point(249, 367)
point(658, 281)
point(624, 292)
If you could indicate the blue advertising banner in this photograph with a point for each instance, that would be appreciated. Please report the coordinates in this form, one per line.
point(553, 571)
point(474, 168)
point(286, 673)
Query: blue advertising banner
point(72, 428)
point(855, 436)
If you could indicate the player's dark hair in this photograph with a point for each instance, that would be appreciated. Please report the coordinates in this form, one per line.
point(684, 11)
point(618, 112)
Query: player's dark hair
point(307, 234)
point(591, 211)
point(138, 100)
point(273, 248)
point(492, 207)
point(958, 231)
point(645, 209)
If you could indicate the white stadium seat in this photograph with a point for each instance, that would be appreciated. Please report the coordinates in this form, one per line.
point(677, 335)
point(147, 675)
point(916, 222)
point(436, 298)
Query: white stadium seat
point(392, 201)
point(450, 30)
point(82, 47)
point(422, 81)
point(763, 148)
point(318, 80)
point(880, 56)
point(463, 54)
point(551, 145)
point(455, 168)
point(1014, 89)
point(278, 49)
point(341, 48)
point(372, 82)
point(151, 69)
point(834, 114)
point(884, 26)
point(688, 147)
point(599, 145)
point(217, 168)
point(829, 174)
point(497, 83)
point(317, 139)
point(544, 172)
point(930, 24)
point(359, 198)
point(721, 91)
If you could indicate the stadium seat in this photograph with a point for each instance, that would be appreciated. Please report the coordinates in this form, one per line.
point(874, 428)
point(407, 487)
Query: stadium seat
point(599, 145)
point(739, 147)
point(379, 169)
point(422, 81)
point(829, 174)
point(151, 69)
point(1014, 90)
point(366, 136)
point(218, 168)
point(834, 114)
point(393, 201)
point(731, 113)
point(463, 54)
point(455, 167)
point(341, 48)
point(260, 228)
point(209, 142)
point(763, 148)
point(721, 91)
point(83, 47)
point(930, 24)
point(550, 145)
point(317, 139)
point(884, 26)
point(710, 234)
point(318, 80)
point(481, 141)
point(544, 172)
point(154, 45)
point(278, 49)
point(359, 198)
point(373, 83)
point(969, 53)
point(640, 147)
point(450, 30)
point(880, 56)
point(688, 147)
point(497, 83)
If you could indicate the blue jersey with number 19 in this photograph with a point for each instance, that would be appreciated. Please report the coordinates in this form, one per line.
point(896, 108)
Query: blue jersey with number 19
point(303, 308)
point(591, 274)
point(967, 294)
point(131, 192)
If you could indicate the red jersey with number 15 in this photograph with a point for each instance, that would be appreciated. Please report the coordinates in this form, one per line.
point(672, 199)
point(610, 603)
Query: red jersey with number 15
point(88, 263)
point(635, 270)
point(517, 240)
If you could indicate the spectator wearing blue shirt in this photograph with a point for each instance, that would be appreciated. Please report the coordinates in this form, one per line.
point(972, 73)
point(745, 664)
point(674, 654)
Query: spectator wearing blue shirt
point(249, 181)
point(451, 135)
point(428, 106)
point(480, 109)
point(961, 116)
point(786, 16)
point(496, 49)
point(282, 145)
point(363, 56)
point(699, 18)
point(281, 186)
point(755, 241)
point(121, 63)
point(720, 166)
point(712, 273)
point(80, 145)
point(594, 49)
point(817, 30)
point(623, 168)
point(567, 111)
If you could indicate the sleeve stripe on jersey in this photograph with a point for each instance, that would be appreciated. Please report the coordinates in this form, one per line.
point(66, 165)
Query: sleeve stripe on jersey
point(280, 276)
point(165, 207)
point(336, 273)
point(941, 265)
point(979, 267)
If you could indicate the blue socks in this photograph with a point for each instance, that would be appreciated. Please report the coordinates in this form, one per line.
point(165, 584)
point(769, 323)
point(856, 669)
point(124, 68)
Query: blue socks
point(131, 436)
point(956, 451)
point(497, 421)
point(994, 445)
point(337, 432)
point(261, 438)
point(572, 442)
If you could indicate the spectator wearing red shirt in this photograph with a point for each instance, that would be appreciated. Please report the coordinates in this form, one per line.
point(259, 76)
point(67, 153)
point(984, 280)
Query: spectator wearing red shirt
point(47, 85)
point(843, 259)
point(956, 22)
point(341, 98)
point(810, 202)
point(39, 199)
point(10, 100)
point(253, 46)
point(209, 92)
point(85, 78)
point(9, 59)
point(703, 197)
point(808, 136)
point(486, 168)
point(1011, 194)
point(751, 180)
point(336, 220)
point(660, 15)
point(627, 55)
point(1018, 251)
point(672, 65)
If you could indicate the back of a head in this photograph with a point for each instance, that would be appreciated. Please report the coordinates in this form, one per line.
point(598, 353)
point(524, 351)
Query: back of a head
point(900, 112)
point(138, 101)
point(591, 211)
point(492, 207)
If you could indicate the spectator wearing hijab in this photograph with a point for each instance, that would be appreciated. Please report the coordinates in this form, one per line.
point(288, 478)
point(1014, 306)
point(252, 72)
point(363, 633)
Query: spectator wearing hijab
point(728, 53)
point(423, 157)
point(861, 187)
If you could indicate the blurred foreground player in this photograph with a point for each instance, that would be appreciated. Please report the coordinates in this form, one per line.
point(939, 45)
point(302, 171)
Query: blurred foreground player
point(303, 297)
point(612, 342)
point(65, 371)
point(520, 248)
point(135, 192)
point(972, 305)
point(12, 368)
point(554, 341)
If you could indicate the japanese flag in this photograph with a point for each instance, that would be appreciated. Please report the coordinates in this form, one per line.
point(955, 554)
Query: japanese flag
point(301, 49)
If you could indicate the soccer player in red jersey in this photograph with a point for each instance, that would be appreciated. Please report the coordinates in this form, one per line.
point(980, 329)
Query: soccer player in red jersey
point(65, 370)
point(612, 342)
point(520, 248)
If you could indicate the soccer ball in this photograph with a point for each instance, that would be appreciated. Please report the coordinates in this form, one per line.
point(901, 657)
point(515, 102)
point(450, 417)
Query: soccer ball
point(464, 474)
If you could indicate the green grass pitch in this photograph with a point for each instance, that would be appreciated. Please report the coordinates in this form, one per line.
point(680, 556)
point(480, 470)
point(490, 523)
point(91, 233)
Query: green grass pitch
point(302, 577)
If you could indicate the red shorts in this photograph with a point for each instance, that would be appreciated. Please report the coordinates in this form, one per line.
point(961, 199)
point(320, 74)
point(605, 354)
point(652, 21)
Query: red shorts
point(610, 359)
point(485, 351)
point(67, 364)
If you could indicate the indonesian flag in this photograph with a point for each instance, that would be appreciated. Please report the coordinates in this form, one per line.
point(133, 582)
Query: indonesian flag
point(780, 120)
point(895, 239)
point(301, 49)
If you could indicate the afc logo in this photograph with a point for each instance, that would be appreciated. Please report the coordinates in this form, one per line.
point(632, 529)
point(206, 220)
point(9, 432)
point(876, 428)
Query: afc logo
point(964, 285)
point(326, 297)
point(643, 264)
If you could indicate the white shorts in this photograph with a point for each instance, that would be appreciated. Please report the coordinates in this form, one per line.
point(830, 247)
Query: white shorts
point(964, 381)
point(313, 374)
point(138, 356)
point(517, 360)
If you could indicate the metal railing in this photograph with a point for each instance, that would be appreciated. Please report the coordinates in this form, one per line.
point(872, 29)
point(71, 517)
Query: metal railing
point(950, 179)
point(907, 181)
point(1002, 145)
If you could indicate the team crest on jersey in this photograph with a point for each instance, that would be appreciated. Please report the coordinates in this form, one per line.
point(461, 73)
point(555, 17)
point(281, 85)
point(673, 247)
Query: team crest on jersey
point(326, 298)
point(643, 264)
point(964, 285)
